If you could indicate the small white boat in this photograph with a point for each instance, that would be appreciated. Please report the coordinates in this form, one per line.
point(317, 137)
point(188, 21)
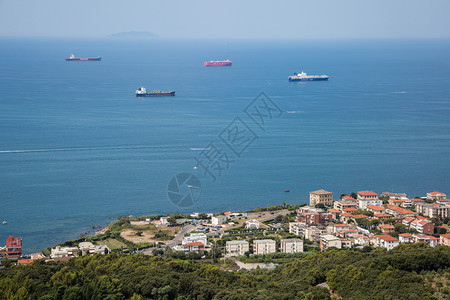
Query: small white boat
point(4, 223)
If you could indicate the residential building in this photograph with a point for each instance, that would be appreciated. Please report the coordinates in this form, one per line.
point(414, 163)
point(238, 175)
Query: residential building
point(341, 204)
point(345, 243)
point(344, 217)
point(375, 209)
point(313, 233)
point(264, 246)
point(334, 213)
point(297, 228)
point(423, 238)
point(400, 196)
point(386, 228)
point(422, 226)
point(436, 196)
point(382, 216)
point(291, 245)
point(194, 238)
point(340, 227)
point(59, 252)
point(405, 238)
point(321, 196)
point(236, 248)
point(349, 209)
point(366, 198)
point(433, 210)
point(445, 239)
point(386, 241)
point(218, 220)
point(252, 224)
point(397, 202)
point(399, 211)
point(89, 248)
point(194, 247)
point(416, 200)
point(312, 216)
point(13, 248)
point(351, 233)
point(348, 198)
point(361, 240)
point(328, 240)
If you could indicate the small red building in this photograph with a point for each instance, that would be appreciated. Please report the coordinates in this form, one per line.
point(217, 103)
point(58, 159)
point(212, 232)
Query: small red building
point(13, 247)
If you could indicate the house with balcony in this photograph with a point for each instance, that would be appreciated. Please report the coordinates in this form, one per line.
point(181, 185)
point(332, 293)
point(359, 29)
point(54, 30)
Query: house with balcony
point(236, 248)
point(386, 241)
point(366, 198)
point(436, 196)
point(405, 238)
point(291, 245)
point(386, 228)
point(427, 239)
point(264, 246)
point(328, 240)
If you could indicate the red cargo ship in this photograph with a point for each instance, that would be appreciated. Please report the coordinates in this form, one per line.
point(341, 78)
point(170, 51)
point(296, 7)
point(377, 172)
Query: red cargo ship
point(218, 63)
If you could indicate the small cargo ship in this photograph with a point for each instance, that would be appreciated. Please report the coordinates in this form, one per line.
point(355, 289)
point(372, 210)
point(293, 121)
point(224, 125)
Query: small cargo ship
point(218, 63)
point(303, 77)
point(142, 92)
point(73, 58)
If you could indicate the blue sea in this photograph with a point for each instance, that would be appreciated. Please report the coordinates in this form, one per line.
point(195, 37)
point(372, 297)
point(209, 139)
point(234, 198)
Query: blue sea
point(78, 148)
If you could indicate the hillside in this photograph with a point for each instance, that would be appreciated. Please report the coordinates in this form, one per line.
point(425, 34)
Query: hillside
point(407, 272)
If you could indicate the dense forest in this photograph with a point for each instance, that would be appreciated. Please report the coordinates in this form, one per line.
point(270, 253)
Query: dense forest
point(407, 272)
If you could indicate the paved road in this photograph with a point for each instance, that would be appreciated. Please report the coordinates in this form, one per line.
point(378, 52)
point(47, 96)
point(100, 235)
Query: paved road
point(172, 243)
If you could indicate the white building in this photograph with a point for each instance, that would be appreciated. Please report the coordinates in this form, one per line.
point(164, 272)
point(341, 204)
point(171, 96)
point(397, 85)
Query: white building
point(386, 241)
point(236, 248)
point(218, 220)
point(297, 228)
point(405, 238)
point(195, 238)
point(291, 245)
point(328, 240)
point(89, 248)
point(252, 224)
point(59, 252)
point(264, 246)
point(366, 198)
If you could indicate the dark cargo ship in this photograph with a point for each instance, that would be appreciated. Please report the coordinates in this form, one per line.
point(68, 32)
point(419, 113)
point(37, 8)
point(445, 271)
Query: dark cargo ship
point(142, 92)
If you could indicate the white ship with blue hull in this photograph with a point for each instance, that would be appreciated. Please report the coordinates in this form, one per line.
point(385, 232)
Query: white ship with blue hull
point(304, 77)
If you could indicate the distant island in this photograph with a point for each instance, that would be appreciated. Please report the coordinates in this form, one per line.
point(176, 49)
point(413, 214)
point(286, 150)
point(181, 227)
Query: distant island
point(134, 35)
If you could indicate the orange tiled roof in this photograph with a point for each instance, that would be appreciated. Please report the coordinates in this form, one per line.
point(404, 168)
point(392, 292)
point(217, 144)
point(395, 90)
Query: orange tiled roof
point(375, 207)
point(387, 238)
point(360, 216)
point(332, 210)
point(382, 215)
point(341, 225)
point(348, 198)
point(446, 236)
point(193, 244)
point(386, 226)
point(349, 209)
point(405, 234)
point(367, 193)
point(436, 193)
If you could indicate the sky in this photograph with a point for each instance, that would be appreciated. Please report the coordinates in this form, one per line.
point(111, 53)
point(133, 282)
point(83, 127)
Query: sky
point(230, 19)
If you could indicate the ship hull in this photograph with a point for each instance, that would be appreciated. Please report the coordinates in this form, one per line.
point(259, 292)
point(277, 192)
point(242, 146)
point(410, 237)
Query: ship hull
point(218, 64)
point(84, 59)
point(156, 94)
point(308, 79)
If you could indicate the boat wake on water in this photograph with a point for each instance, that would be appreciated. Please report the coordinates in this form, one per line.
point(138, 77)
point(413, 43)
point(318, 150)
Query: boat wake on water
point(78, 149)
point(401, 92)
point(294, 111)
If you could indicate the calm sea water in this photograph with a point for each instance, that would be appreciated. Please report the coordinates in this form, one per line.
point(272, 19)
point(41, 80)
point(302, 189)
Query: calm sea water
point(90, 150)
